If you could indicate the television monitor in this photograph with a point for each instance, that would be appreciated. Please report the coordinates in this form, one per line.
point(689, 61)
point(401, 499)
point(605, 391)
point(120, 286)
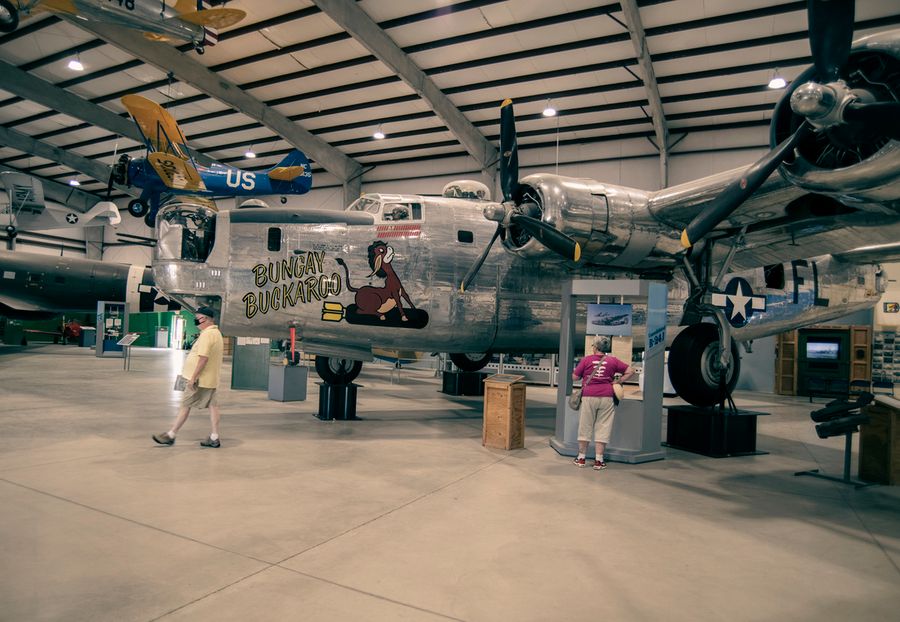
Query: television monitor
point(823, 350)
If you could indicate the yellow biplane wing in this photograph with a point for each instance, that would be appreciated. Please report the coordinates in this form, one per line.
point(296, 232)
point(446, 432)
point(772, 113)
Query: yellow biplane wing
point(213, 18)
point(158, 127)
point(176, 172)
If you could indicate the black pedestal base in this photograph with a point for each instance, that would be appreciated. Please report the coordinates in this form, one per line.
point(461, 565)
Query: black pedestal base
point(712, 433)
point(463, 382)
point(337, 401)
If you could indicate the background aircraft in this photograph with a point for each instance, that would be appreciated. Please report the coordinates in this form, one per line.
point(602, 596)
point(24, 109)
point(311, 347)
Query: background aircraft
point(187, 21)
point(170, 169)
point(429, 288)
point(27, 209)
point(36, 286)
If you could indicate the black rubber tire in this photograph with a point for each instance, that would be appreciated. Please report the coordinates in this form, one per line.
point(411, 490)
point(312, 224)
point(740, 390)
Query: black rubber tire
point(692, 368)
point(467, 362)
point(150, 220)
point(334, 370)
point(138, 208)
point(12, 20)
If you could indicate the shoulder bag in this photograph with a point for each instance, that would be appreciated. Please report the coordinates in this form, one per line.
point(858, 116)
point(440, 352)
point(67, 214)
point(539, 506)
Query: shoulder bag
point(575, 398)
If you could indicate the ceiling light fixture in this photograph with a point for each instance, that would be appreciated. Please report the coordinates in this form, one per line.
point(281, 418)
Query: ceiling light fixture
point(378, 135)
point(777, 82)
point(249, 153)
point(75, 63)
point(549, 111)
point(74, 182)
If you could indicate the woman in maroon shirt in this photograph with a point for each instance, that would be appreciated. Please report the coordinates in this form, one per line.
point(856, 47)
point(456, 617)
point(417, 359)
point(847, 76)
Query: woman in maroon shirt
point(597, 372)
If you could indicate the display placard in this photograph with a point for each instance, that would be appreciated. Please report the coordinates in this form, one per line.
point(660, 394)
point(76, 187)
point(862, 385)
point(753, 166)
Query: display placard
point(128, 339)
point(504, 378)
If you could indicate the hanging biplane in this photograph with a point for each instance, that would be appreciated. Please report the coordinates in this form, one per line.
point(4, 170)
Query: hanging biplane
point(26, 208)
point(754, 253)
point(187, 21)
point(170, 169)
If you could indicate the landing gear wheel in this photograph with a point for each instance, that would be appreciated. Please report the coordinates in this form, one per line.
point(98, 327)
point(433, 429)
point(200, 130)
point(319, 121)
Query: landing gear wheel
point(334, 370)
point(138, 208)
point(150, 220)
point(9, 16)
point(200, 50)
point(470, 361)
point(694, 367)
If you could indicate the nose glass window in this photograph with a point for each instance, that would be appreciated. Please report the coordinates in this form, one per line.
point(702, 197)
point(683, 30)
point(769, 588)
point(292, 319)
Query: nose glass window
point(186, 232)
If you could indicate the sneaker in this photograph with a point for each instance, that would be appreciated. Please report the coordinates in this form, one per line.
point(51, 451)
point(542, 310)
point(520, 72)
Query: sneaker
point(210, 443)
point(579, 462)
point(599, 466)
point(164, 439)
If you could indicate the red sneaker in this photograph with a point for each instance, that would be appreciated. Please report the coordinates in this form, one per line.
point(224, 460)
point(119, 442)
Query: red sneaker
point(598, 466)
point(579, 462)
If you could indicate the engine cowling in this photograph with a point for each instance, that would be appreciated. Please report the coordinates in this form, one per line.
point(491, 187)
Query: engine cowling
point(611, 223)
point(856, 164)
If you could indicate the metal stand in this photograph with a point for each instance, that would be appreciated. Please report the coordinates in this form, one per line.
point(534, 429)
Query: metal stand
point(337, 401)
point(463, 382)
point(848, 449)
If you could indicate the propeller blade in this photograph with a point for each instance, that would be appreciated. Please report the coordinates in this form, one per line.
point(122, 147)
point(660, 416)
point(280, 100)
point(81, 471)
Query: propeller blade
point(740, 189)
point(509, 151)
point(830, 35)
point(556, 241)
point(883, 116)
point(477, 265)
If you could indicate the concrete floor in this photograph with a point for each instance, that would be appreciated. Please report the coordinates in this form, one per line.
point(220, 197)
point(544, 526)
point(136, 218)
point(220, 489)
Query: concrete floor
point(404, 515)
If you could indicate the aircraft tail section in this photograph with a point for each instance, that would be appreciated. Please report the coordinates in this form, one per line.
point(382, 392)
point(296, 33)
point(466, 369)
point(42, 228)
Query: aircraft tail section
point(26, 193)
point(294, 170)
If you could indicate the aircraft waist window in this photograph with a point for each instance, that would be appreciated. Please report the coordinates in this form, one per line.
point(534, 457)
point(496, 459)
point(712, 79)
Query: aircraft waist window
point(774, 276)
point(186, 232)
point(466, 237)
point(274, 239)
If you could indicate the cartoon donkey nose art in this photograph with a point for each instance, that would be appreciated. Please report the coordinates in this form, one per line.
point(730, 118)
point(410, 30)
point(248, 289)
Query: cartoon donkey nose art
point(377, 301)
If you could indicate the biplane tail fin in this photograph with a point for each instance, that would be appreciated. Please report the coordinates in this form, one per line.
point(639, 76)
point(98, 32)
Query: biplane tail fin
point(293, 169)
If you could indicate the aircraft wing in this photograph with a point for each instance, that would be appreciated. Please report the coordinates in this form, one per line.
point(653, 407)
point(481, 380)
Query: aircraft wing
point(782, 221)
point(160, 130)
point(176, 172)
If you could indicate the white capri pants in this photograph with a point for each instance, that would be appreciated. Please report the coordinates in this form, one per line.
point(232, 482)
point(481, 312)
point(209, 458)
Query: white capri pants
point(596, 419)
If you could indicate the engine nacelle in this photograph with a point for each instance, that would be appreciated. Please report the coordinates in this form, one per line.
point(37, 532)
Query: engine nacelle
point(856, 165)
point(612, 223)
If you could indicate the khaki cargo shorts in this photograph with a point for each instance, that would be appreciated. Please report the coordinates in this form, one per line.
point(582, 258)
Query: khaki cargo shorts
point(198, 397)
point(596, 419)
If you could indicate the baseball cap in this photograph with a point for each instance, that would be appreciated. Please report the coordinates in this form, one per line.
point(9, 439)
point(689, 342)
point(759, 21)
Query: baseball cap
point(207, 311)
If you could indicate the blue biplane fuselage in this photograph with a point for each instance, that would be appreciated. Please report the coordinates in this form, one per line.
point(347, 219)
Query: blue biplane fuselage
point(221, 180)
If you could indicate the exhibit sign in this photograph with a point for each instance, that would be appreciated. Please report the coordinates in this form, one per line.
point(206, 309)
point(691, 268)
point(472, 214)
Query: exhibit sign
point(892, 307)
point(609, 319)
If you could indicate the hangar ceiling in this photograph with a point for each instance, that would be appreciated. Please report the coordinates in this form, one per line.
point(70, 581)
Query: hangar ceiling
point(292, 73)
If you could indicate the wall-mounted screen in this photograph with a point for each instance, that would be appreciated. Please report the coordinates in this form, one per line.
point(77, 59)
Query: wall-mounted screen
point(823, 350)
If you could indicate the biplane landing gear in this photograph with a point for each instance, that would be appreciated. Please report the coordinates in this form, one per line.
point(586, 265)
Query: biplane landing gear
point(337, 395)
point(200, 49)
point(150, 220)
point(138, 208)
point(695, 367)
point(9, 16)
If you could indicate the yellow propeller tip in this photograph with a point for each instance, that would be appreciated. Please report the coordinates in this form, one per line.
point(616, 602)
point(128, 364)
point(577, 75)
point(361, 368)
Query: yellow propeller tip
point(577, 251)
point(462, 289)
point(685, 242)
point(506, 102)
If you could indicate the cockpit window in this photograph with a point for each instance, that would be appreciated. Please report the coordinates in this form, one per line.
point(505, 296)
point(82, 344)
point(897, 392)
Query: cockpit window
point(186, 232)
point(402, 211)
point(364, 204)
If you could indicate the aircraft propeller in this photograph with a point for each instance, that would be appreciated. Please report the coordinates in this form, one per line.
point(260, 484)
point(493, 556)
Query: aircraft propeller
point(512, 213)
point(823, 105)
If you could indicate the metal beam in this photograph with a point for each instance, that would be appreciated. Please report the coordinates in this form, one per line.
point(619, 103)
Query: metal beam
point(91, 168)
point(46, 94)
point(188, 70)
point(645, 63)
point(355, 21)
point(71, 197)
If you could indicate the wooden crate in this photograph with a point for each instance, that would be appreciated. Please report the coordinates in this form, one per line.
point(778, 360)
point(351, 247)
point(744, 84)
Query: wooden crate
point(879, 443)
point(504, 413)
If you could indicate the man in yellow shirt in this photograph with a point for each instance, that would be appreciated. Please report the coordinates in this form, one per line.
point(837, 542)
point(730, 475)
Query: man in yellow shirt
point(201, 370)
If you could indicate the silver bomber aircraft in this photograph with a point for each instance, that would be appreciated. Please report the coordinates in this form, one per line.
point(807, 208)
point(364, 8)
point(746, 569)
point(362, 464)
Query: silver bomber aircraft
point(756, 253)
